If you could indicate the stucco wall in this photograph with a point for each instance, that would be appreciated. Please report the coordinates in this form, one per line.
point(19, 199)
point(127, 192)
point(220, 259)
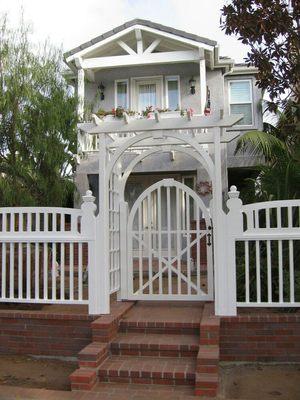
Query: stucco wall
point(185, 71)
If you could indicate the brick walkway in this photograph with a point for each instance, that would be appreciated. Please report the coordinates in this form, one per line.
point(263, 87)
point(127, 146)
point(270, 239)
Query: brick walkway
point(102, 391)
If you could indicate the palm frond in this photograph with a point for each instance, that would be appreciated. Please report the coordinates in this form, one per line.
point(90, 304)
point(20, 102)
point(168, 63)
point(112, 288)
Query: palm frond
point(259, 143)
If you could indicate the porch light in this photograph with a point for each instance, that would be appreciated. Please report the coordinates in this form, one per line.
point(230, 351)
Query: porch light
point(192, 83)
point(101, 88)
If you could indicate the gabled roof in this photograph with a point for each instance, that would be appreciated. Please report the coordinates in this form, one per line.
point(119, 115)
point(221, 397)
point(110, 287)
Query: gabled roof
point(142, 22)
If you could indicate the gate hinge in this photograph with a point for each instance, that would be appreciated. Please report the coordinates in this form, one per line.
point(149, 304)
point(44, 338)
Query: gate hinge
point(209, 235)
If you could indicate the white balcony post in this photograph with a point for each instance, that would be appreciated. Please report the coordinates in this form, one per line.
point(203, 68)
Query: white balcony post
point(102, 230)
point(88, 231)
point(234, 228)
point(202, 74)
point(80, 93)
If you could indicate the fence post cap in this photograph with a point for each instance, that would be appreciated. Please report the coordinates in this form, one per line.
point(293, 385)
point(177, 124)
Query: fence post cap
point(233, 193)
point(88, 197)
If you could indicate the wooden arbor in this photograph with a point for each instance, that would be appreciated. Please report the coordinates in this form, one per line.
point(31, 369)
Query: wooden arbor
point(143, 137)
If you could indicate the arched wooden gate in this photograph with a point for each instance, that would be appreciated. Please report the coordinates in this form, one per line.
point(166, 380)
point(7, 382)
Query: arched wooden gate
point(169, 241)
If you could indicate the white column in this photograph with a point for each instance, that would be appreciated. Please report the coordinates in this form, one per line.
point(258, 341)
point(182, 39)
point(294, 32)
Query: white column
point(80, 93)
point(102, 226)
point(219, 231)
point(202, 74)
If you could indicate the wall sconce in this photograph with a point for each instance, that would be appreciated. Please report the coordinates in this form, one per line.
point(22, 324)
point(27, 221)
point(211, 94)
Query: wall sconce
point(101, 87)
point(192, 83)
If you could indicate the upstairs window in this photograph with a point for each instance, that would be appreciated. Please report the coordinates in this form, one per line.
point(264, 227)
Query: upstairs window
point(121, 94)
point(172, 93)
point(240, 100)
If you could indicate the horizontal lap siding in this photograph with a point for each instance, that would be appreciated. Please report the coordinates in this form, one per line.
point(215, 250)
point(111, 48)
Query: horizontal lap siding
point(47, 337)
point(261, 339)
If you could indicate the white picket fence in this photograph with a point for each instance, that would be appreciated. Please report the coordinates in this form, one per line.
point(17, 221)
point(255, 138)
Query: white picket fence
point(264, 249)
point(48, 255)
point(54, 255)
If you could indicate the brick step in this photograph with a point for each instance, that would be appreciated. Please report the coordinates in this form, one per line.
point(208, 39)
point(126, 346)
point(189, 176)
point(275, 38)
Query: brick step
point(155, 345)
point(177, 328)
point(207, 384)
point(92, 355)
point(147, 370)
point(132, 391)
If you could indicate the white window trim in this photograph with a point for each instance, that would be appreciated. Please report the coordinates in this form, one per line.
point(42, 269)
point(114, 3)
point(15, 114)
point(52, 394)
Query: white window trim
point(127, 94)
point(172, 78)
point(141, 79)
point(244, 102)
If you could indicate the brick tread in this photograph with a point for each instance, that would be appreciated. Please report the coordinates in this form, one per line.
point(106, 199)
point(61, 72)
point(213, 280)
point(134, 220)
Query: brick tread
point(155, 341)
point(182, 369)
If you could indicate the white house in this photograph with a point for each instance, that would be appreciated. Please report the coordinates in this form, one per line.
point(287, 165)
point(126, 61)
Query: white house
point(141, 64)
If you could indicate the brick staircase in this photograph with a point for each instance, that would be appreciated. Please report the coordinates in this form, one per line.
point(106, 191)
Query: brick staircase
point(153, 345)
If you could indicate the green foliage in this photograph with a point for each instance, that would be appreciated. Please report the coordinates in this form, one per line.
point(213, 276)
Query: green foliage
point(279, 148)
point(37, 123)
point(270, 28)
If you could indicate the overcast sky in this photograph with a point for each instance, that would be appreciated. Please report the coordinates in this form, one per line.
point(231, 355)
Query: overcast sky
point(68, 23)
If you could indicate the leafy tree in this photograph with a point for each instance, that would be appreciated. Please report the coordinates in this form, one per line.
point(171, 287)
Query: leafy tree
point(37, 122)
point(271, 29)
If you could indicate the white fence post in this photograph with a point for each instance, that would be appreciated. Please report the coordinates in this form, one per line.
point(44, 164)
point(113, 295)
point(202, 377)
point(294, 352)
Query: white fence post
point(234, 227)
point(88, 231)
point(123, 293)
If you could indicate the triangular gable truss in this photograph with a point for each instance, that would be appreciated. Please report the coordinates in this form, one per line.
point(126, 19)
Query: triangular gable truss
point(157, 31)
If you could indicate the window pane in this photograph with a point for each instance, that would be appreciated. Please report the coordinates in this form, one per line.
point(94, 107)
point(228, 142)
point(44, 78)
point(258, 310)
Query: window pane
point(122, 95)
point(240, 92)
point(147, 96)
point(173, 95)
point(245, 109)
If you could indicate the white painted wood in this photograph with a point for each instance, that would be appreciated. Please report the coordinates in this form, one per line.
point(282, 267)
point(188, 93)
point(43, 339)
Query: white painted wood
point(20, 271)
point(80, 92)
point(3, 271)
point(291, 271)
point(123, 248)
point(271, 233)
point(123, 33)
point(36, 270)
point(11, 269)
point(45, 270)
point(102, 282)
point(28, 271)
point(125, 47)
point(141, 59)
point(203, 91)
point(152, 46)
point(139, 39)
point(53, 271)
point(258, 275)
point(160, 283)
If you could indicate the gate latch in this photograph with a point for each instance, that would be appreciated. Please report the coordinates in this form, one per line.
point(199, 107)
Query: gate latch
point(209, 235)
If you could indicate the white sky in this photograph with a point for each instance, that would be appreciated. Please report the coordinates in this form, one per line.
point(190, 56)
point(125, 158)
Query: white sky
point(68, 23)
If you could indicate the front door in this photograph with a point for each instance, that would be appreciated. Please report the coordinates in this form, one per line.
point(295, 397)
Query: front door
point(169, 245)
